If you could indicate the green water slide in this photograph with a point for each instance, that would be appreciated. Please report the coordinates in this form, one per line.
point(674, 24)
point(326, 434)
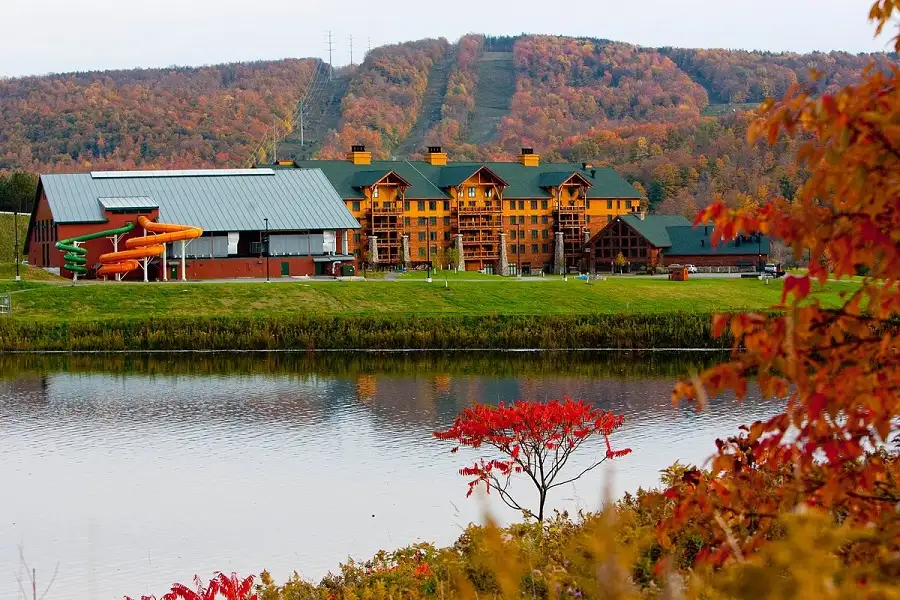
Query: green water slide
point(75, 255)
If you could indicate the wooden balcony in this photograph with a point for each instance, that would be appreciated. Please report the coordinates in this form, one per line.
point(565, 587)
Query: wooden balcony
point(486, 238)
point(480, 253)
point(388, 208)
point(495, 208)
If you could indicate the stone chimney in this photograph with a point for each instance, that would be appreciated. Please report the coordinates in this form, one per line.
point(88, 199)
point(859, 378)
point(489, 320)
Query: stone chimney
point(436, 157)
point(359, 156)
point(529, 158)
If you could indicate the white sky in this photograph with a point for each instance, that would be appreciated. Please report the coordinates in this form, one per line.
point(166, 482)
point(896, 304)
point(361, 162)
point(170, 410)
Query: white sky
point(42, 36)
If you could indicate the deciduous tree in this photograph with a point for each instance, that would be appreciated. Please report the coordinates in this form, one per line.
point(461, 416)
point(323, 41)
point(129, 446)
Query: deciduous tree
point(535, 439)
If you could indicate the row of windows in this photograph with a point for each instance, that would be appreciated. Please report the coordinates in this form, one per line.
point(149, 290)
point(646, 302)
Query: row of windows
point(513, 204)
point(45, 231)
point(545, 234)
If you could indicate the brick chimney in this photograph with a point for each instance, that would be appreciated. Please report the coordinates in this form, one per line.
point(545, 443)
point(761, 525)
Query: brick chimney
point(436, 157)
point(359, 156)
point(529, 158)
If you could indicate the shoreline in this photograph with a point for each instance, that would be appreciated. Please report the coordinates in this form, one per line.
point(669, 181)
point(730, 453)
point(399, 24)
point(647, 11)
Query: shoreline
point(671, 331)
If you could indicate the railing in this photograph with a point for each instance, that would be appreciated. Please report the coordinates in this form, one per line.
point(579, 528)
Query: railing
point(5, 305)
point(481, 239)
point(479, 209)
point(481, 254)
point(394, 208)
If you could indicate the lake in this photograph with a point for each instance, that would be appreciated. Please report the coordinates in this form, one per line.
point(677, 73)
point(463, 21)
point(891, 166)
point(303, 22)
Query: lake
point(131, 472)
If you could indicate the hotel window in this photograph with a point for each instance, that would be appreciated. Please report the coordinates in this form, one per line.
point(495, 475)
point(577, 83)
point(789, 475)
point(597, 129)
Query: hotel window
point(406, 206)
point(544, 248)
point(446, 236)
point(534, 234)
point(356, 238)
point(432, 235)
point(618, 204)
point(421, 205)
point(587, 218)
point(512, 205)
point(433, 250)
point(628, 204)
point(471, 203)
point(375, 192)
point(406, 221)
point(447, 205)
point(356, 205)
point(432, 205)
point(587, 203)
point(512, 234)
point(432, 220)
point(521, 219)
point(534, 205)
point(447, 221)
point(489, 193)
point(545, 219)
point(534, 248)
point(471, 192)
point(545, 234)
point(420, 221)
point(521, 248)
point(545, 204)
point(521, 205)
point(609, 218)
point(609, 205)
point(534, 219)
point(421, 252)
point(421, 236)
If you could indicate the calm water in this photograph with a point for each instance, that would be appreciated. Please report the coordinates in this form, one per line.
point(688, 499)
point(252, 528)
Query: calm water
point(135, 472)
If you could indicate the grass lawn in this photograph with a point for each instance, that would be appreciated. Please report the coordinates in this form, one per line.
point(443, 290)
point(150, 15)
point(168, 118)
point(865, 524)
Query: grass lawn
point(93, 301)
point(28, 272)
point(8, 236)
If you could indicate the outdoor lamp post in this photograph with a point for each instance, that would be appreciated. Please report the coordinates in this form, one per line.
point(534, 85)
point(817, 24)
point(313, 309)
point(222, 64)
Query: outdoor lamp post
point(16, 229)
point(428, 249)
point(267, 248)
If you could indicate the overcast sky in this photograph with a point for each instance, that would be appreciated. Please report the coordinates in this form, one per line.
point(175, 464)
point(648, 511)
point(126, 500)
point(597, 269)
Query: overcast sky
point(43, 36)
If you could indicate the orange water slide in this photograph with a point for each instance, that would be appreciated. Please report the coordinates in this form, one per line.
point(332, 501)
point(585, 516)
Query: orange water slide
point(147, 246)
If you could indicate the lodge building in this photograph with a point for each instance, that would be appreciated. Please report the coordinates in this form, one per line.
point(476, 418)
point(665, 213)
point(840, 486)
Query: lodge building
point(500, 217)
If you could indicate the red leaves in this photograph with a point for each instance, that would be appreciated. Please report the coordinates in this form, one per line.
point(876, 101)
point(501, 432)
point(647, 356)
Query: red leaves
point(221, 586)
point(799, 286)
point(535, 438)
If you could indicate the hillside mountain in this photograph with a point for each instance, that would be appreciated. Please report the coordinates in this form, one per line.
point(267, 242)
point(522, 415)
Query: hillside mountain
point(672, 120)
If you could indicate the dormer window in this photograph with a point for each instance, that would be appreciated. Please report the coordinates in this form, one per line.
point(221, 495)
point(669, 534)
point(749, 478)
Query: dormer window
point(375, 192)
point(471, 192)
point(489, 193)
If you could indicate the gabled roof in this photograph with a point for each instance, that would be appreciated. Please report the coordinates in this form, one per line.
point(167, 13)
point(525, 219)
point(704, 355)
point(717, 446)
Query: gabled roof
point(215, 200)
point(455, 175)
point(655, 227)
point(557, 178)
point(362, 179)
point(429, 182)
point(689, 241)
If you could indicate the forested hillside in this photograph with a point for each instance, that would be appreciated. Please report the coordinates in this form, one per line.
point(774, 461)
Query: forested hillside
point(671, 120)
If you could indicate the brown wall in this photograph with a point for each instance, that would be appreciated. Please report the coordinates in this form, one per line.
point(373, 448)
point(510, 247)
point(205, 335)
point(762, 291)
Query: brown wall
point(230, 268)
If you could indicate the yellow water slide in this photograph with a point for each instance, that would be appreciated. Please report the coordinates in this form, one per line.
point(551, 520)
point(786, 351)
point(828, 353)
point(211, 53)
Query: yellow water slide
point(146, 246)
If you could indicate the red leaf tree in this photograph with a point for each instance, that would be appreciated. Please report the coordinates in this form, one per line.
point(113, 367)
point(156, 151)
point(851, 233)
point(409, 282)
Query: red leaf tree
point(536, 439)
point(226, 587)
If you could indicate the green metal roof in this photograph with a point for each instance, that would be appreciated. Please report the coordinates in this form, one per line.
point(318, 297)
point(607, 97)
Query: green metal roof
point(695, 241)
point(655, 227)
point(429, 182)
point(554, 179)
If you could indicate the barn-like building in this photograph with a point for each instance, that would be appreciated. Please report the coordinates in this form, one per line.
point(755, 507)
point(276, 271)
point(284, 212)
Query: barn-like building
point(305, 218)
point(665, 240)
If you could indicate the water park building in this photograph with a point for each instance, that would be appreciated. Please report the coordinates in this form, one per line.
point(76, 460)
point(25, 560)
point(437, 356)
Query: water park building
point(194, 224)
point(500, 217)
point(667, 240)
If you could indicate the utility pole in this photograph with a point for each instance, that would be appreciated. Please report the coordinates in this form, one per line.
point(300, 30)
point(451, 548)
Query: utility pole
point(330, 60)
point(16, 229)
point(351, 49)
point(275, 140)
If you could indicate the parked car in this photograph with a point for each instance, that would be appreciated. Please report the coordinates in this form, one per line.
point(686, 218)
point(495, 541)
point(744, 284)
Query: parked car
point(691, 268)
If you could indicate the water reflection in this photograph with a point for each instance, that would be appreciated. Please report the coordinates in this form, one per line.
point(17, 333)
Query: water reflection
point(135, 471)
